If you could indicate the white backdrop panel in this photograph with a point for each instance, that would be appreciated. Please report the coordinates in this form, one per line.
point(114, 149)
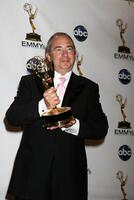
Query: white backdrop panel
point(99, 19)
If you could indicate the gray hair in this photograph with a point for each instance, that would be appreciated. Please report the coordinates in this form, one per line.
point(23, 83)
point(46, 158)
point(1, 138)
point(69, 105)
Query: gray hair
point(57, 34)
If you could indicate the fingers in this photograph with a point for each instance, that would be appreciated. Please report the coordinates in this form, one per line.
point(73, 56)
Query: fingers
point(50, 97)
point(52, 127)
point(70, 123)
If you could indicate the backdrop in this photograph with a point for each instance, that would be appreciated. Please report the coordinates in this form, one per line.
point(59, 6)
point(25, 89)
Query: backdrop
point(103, 31)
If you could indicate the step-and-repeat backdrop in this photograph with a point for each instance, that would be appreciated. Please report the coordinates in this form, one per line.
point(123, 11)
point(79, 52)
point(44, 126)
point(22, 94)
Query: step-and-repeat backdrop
point(103, 31)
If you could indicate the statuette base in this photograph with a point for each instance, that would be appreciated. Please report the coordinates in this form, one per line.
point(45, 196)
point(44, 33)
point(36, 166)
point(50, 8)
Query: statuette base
point(124, 49)
point(59, 116)
point(33, 37)
point(124, 125)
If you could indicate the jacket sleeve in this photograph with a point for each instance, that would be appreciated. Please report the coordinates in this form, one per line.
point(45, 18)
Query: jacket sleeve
point(24, 109)
point(95, 124)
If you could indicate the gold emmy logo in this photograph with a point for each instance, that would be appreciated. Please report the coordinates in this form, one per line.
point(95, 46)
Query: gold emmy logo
point(123, 181)
point(32, 14)
point(78, 63)
point(122, 27)
point(123, 124)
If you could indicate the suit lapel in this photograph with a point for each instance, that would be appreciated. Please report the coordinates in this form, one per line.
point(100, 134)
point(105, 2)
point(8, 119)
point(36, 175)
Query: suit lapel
point(73, 89)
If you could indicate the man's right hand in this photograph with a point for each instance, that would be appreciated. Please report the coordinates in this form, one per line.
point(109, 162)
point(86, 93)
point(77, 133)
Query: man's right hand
point(51, 98)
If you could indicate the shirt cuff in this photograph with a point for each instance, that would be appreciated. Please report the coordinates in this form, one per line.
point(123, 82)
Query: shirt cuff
point(74, 129)
point(41, 107)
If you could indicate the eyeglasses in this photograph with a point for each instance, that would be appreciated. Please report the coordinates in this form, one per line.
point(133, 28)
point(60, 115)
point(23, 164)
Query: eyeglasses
point(60, 50)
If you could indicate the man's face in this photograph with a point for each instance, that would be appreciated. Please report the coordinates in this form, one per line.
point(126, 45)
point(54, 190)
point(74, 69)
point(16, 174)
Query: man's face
point(62, 54)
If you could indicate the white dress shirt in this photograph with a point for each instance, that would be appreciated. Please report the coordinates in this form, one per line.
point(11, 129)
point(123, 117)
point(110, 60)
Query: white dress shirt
point(74, 129)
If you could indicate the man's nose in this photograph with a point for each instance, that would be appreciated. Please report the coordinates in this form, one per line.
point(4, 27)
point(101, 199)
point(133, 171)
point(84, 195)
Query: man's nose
point(64, 52)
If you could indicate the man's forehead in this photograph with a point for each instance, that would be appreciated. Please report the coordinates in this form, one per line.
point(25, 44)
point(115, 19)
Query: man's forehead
point(62, 41)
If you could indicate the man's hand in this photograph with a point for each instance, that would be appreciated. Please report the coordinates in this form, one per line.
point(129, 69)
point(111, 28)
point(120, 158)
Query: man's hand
point(70, 123)
point(50, 98)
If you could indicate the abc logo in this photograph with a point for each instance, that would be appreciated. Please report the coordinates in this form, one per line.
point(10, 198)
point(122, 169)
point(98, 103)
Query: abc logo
point(124, 76)
point(124, 152)
point(80, 33)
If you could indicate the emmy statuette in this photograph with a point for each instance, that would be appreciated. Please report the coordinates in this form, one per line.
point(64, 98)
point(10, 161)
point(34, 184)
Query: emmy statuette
point(78, 63)
point(123, 124)
point(123, 181)
point(123, 48)
point(31, 36)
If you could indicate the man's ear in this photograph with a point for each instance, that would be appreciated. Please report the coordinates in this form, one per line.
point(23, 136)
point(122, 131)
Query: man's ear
point(48, 57)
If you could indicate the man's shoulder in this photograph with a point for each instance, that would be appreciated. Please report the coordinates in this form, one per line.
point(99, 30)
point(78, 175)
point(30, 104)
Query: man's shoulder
point(28, 77)
point(85, 80)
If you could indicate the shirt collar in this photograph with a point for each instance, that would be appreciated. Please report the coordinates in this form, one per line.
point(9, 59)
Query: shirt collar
point(57, 76)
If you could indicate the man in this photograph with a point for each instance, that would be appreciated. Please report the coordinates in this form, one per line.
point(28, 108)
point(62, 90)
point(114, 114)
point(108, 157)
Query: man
point(51, 162)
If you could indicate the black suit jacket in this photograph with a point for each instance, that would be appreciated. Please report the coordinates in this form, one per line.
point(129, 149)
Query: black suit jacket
point(52, 164)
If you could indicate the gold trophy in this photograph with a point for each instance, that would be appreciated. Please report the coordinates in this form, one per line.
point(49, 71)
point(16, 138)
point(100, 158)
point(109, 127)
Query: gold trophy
point(78, 64)
point(123, 48)
point(123, 124)
point(31, 36)
point(123, 181)
point(58, 116)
